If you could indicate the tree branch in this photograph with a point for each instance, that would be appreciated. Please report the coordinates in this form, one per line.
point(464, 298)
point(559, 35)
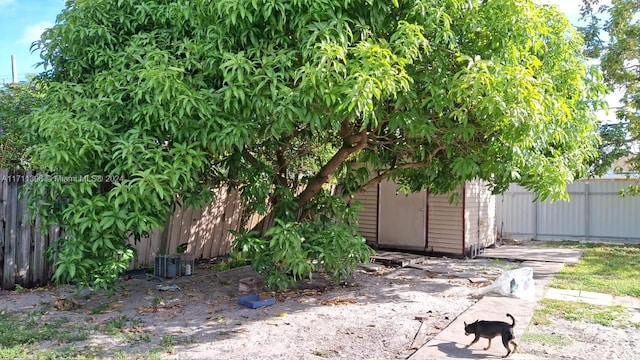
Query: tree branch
point(351, 145)
point(385, 174)
point(250, 158)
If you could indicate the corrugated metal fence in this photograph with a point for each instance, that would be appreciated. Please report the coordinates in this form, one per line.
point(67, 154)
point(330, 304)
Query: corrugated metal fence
point(22, 246)
point(596, 212)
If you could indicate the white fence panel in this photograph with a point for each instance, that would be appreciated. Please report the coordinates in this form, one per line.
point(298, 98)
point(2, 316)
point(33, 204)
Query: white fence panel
point(516, 213)
point(596, 211)
point(613, 216)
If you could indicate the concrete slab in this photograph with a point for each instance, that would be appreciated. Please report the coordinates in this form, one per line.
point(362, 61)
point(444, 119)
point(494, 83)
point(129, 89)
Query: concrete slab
point(518, 252)
point(593, 298)
point(628, 301)
point(563, 295)
point(450, 342)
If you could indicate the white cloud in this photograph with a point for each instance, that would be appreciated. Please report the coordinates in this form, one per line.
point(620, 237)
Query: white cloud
point(32, 32)
point(4, 3)
point(570, 7)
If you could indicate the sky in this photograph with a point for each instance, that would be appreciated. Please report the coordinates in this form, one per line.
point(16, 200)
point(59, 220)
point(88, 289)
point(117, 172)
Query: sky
point(21, 23)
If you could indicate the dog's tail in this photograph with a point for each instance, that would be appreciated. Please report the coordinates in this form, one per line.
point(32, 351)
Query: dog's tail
point(512, 319)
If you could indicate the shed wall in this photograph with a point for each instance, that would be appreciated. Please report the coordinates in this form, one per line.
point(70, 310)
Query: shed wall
point(445, 225)
point(480, 220)
point(472, 205)
point(368, 216)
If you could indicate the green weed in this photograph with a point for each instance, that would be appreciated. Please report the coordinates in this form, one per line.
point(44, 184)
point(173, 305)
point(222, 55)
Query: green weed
point(546, 339)
point(580, 311)
point(611, 269)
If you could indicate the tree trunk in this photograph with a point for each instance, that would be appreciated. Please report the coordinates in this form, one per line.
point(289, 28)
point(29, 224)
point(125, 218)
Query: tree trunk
point(351, 145)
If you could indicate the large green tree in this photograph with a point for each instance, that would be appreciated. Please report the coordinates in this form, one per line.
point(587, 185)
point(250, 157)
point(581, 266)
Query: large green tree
point(285, 100)
point(612, 34)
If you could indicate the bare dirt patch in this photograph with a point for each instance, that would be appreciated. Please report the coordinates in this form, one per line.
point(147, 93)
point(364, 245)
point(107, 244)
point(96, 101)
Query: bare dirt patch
point(386, 314)
point(579, 340)
point(374, 315)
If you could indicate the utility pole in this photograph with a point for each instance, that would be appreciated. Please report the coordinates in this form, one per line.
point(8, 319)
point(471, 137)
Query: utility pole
point(14, 70)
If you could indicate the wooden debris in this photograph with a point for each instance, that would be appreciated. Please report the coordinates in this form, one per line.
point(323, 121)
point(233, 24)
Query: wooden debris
point(400, 259)
point(65, 304)
point(423, 317)
point(419, 266)
point(334, 302)
point(372, 267)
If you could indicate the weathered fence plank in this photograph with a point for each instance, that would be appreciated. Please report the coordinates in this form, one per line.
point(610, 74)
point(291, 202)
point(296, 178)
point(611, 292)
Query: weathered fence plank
point(38, 255)
point(53, 234)
point(232, 217)
point(4, 195)
point(23, 238)
point(10, 223)
point(23, 246)
point(219, 231)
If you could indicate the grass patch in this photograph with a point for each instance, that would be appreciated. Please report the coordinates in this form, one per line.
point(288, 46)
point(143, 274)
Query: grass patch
point(504, 264)
point(579, 311)
point(21, 333)
point(124, 328)
point(70, 352)
point(169, 342)
point(36, 335)
point(33, 327)
point(611, 269)
point(101, 309)
point(113, 326)
point(546, 339)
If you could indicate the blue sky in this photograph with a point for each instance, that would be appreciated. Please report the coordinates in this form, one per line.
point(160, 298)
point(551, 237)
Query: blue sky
point(21, 23)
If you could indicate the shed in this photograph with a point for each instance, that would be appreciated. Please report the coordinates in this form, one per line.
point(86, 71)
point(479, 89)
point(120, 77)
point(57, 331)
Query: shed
point(428, 223)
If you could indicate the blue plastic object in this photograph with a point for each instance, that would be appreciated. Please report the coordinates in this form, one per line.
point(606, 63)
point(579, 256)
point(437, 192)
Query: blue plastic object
point(253, 301)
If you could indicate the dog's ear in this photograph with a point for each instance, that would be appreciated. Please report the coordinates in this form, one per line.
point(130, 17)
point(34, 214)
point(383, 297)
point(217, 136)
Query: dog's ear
point(465, 323)
point(476, 321)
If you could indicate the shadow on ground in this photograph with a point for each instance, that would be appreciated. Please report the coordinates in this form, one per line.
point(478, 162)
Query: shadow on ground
point(386, 314)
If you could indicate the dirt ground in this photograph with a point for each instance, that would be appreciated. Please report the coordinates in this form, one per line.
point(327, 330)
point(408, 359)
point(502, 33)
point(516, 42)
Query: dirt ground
point(383, 314)
point(577, 340)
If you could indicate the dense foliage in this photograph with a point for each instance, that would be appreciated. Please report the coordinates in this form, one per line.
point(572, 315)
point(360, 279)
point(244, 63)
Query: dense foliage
point(286, 100)
point(612, 34)
point(16, 101)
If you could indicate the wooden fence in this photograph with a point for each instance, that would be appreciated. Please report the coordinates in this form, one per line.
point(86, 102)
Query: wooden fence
point(23, 248)
point(205, 231)
point(22, 245)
